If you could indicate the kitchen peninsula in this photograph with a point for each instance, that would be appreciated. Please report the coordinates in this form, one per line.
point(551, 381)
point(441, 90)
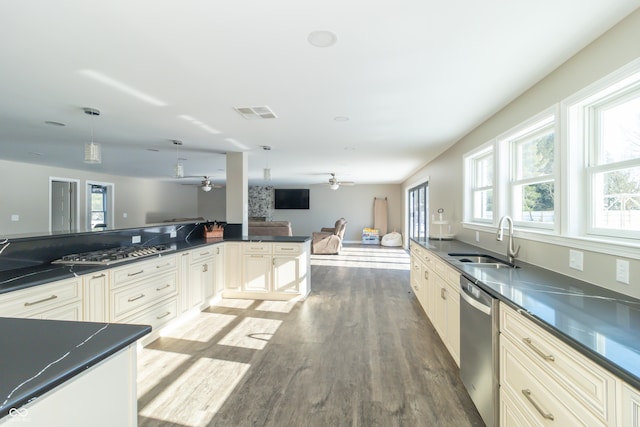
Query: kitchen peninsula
point(175, 271)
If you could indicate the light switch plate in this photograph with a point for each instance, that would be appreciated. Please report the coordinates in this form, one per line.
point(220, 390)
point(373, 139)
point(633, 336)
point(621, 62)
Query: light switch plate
point(576, 259)
point(15, 217)
point(622, 271)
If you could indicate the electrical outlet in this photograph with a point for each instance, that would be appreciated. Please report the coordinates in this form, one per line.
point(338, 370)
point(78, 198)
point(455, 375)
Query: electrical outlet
point(173, 234)
point(622, 271)
point(136, 239)
point(15, 217)
point(576, 259)
point(477, 236)
point(124, 215)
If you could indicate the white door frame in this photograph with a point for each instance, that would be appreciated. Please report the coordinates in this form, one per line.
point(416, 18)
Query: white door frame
point(77, 201)
point(111, 195)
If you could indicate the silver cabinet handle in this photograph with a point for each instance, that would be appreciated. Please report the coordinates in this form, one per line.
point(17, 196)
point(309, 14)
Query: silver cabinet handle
point(98, 276)
point(204, 253)
point(164, 315)
point(136, 298)
point(136, 273)
point(286, 249)
point(426, 274)
point(547, 357)
point(443, 293)
point(546, 415)
point(185, 254)
point(163, 265)
point(163, 287)
point(28, 303)
point(205, 268)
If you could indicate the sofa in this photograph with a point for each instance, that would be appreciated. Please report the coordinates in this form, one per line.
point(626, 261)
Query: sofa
point(329, 239)
point(269, 228)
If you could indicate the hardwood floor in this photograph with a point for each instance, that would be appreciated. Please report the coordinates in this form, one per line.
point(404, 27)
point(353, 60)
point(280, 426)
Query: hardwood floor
point(358, 352)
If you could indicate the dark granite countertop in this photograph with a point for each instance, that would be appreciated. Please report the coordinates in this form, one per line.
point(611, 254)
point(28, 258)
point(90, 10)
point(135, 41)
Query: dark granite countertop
point(601, 324)
point(39, 274)
point(38, 355)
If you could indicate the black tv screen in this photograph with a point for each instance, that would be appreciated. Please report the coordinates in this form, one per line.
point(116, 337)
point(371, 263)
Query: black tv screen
point(297, 198)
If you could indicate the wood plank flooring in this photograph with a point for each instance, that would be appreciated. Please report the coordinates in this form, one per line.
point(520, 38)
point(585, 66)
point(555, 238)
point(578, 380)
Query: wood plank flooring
point(358, 352)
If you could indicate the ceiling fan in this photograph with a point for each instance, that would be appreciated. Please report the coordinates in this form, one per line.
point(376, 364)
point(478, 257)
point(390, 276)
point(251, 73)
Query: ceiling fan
point(206, 184)
point(334, 184)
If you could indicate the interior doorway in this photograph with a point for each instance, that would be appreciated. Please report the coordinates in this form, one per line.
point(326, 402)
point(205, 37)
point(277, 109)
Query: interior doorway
point(63, 205)
point(100, 205)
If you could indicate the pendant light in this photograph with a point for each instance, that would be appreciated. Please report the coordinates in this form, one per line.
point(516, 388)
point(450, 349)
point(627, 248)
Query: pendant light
point(92, 150)
point(266, 171)
point(178, 169)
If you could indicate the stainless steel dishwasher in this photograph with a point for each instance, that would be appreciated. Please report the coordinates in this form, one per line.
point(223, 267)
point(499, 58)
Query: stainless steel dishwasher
point(479, 351)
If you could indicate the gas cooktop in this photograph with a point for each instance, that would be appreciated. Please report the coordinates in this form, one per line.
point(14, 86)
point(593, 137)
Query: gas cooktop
point(112, 255)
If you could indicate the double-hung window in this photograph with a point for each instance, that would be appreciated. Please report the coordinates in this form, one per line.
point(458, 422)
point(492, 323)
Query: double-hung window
point(613, 171)
point(532, 174)
point(480, 182)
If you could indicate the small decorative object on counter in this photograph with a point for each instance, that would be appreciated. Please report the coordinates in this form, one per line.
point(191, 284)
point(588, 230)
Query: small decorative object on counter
point(213, 230)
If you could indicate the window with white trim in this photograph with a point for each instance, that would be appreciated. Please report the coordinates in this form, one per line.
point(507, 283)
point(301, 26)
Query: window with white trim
point(613, 169)
point(480, 179)
point(531, 182)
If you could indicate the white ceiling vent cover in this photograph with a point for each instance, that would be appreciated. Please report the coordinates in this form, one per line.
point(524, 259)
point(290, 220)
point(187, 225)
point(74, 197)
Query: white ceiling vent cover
point(254, 113)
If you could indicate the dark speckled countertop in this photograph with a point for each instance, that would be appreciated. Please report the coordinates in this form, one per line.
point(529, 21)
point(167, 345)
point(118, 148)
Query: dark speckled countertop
point(38, 355)
point(601, 324)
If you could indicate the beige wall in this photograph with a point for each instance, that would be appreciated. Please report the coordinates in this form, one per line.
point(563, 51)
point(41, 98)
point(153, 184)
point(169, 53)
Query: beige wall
point(325, 207)
point(613, 50)
point(25, 191)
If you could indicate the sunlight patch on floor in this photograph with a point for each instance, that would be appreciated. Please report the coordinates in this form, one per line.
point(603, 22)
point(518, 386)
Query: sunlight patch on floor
point(277, 306)
point(198, 393)
point(155, 365)
point(251, 332)
point(201, 328)
point(235, 303)
point(366, 257)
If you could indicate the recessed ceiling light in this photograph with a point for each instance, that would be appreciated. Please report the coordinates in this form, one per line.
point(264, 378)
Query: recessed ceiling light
point(341, 118)
point(322, 38)
point(54, 123)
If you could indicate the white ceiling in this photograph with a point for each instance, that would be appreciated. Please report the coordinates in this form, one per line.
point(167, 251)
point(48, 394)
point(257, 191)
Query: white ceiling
point(412, 76)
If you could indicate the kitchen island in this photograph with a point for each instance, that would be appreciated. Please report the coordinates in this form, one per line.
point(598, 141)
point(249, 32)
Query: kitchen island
point(59, 373)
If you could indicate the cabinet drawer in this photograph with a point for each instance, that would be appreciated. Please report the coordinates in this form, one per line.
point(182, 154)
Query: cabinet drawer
point(128, 299)
point(37, 299)
point(287, 248)
point(537, 394)
point(256, 248)
point(203, 253)
point(586, 381)
point(142, 269)
point(157, 315)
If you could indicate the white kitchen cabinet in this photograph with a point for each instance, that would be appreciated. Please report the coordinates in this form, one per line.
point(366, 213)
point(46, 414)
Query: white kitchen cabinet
point(629, 412)
point(95, 296)
point(184, 266)
point(219, 269)
point(61, 300)
point(201, 276)
point(232, 267)
point(277, 271)
point(437, 288)
point(546, 379)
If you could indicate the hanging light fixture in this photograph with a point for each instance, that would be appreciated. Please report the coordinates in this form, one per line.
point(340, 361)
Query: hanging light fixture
point(92, 150)
point(267, 171)
point(178, 169)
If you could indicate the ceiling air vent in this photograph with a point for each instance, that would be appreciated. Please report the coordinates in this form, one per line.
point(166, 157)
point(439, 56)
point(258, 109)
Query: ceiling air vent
point(254, 113)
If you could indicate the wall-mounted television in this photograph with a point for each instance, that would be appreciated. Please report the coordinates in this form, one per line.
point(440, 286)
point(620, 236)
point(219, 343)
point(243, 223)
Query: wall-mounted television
point(291, 198)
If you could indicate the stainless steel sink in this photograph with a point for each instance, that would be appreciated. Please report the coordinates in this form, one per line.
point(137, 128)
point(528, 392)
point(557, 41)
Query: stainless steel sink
point(481, 260)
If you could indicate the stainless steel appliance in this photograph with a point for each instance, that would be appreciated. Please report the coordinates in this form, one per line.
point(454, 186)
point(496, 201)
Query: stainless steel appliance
point(112, 255)
point(479, 349)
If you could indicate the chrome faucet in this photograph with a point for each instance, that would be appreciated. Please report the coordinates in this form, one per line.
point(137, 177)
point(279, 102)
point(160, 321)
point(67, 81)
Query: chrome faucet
point(512, 252)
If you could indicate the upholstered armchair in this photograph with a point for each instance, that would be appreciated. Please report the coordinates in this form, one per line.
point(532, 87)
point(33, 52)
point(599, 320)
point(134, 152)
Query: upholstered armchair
point(329, 239)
